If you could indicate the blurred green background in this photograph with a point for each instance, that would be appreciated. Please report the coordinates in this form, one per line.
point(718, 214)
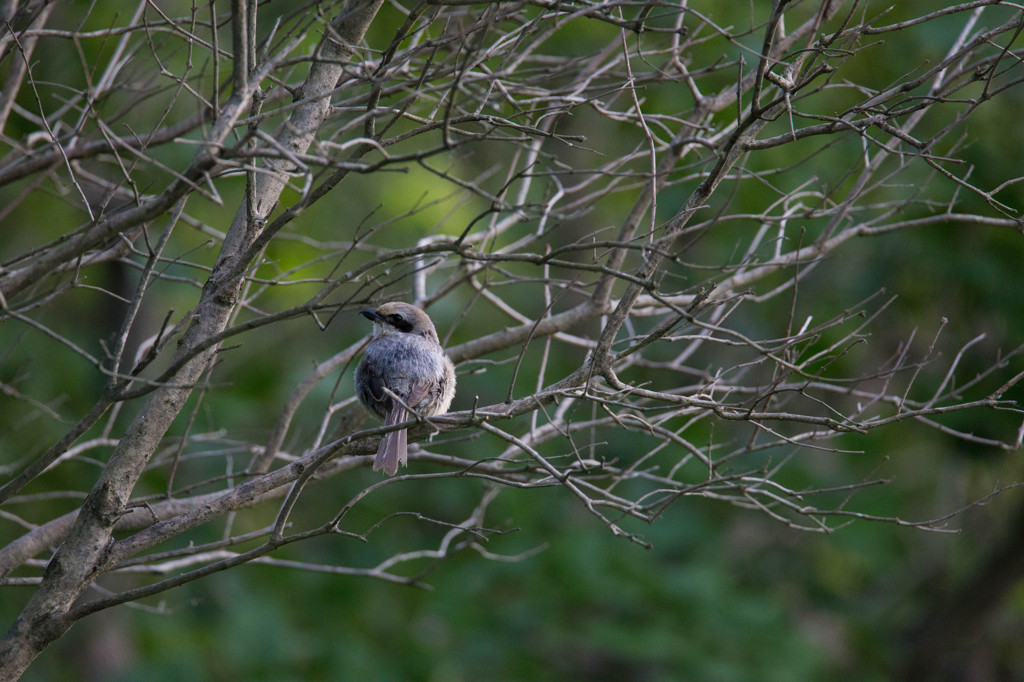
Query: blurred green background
point(725, 593)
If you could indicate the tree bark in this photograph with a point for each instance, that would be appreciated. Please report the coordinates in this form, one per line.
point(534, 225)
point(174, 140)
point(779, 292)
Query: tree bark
point(84, 555)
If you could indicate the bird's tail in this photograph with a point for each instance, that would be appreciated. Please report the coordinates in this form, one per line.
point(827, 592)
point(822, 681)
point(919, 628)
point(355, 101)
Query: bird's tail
point(394, 446)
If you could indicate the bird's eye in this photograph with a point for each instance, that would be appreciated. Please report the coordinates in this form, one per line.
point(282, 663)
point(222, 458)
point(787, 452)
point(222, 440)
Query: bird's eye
point(399, 323)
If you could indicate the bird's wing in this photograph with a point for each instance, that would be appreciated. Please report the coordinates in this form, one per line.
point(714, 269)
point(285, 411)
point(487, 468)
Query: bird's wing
point(417, 392)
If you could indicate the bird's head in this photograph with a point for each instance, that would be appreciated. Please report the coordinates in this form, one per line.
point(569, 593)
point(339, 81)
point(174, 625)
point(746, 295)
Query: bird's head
point(401, 318)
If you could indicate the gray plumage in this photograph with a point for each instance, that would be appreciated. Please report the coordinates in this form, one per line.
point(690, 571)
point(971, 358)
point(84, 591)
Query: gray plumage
point(403, 358)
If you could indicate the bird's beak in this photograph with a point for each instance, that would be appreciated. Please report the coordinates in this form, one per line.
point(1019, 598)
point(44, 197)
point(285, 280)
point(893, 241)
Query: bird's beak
point(371, 314)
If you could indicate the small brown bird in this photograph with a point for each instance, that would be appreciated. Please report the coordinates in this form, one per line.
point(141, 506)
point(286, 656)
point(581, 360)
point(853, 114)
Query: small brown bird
point(403, 360)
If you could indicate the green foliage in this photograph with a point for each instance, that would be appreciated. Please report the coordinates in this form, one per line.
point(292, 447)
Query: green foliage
point(726, 593)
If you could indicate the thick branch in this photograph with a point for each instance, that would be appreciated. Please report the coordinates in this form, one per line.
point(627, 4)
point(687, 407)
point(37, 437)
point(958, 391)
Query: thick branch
point(85, 553)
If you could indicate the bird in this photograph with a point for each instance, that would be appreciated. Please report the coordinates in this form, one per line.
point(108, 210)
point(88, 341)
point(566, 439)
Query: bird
point(404, 367)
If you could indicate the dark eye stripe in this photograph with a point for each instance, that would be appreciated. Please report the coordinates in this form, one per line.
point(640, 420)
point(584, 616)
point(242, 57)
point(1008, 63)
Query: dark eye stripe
point(400, 323)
